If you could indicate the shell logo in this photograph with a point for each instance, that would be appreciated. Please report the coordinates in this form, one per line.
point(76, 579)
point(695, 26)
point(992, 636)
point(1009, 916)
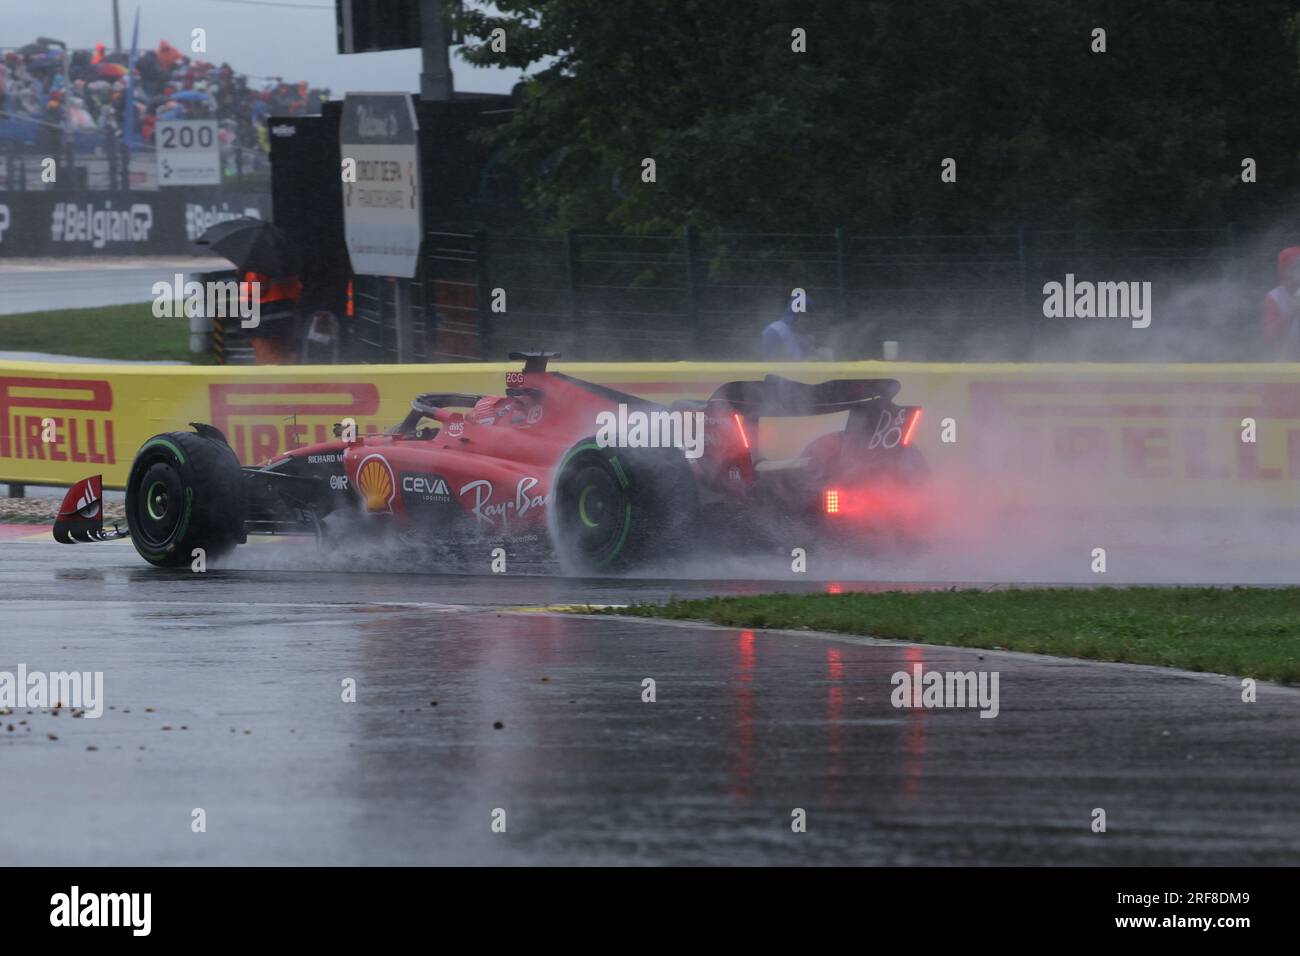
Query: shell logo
point(375, 481)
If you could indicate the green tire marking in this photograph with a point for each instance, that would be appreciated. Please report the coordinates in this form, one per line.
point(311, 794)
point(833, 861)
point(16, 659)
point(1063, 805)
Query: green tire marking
point(622, 539)
point(627, 508)
point(582, 508)
point(618, 468)
point(171, 446)
point(166, 443)
point(148, 501)
point(180, 533)
point(573, 451)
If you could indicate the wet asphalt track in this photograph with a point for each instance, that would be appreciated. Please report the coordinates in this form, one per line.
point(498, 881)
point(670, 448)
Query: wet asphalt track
point(36, 285)
point(245, 667)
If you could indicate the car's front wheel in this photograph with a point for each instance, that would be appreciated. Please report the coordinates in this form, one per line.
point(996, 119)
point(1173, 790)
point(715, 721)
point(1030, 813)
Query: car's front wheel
point(183, 493)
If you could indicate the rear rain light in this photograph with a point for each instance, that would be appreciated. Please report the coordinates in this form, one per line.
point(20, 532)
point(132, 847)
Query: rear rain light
point(911, 426)
point(831, 501)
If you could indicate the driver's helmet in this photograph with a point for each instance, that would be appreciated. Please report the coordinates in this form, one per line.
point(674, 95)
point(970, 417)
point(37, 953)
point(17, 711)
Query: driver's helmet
point(489, 408)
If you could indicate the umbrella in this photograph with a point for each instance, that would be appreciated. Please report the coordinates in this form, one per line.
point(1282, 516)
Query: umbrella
point(189, 95)
point(253, 245)
point(113, 70)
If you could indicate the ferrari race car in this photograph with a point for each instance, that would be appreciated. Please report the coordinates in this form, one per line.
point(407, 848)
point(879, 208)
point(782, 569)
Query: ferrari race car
point(600, 478)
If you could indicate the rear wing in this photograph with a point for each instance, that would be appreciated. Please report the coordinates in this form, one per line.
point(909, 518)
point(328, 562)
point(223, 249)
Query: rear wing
point(873, 416)
point(776, 396)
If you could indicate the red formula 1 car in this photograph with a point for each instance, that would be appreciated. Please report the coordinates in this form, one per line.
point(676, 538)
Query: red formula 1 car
point(601, 478)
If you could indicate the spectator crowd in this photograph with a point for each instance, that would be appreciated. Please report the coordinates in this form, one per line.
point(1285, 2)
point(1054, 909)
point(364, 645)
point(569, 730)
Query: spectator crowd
point(47, 91)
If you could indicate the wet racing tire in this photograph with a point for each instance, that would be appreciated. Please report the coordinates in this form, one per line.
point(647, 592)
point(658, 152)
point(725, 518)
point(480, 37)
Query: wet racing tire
point(184, 492)
point(615, 508)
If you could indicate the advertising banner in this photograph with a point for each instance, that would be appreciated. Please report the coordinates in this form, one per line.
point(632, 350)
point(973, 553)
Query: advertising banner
point(379, 143)
point(58, 224)
point(1219, 437)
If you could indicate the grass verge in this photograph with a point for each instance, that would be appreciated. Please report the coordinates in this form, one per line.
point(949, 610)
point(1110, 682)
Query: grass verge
point(111, 332)
point(1251, 632)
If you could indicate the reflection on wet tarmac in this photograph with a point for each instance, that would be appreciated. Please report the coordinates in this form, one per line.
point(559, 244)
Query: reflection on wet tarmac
point(463, 709)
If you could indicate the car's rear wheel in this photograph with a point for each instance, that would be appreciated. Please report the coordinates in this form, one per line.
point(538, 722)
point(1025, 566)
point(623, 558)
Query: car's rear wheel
point(182, 493)
point(614, 508)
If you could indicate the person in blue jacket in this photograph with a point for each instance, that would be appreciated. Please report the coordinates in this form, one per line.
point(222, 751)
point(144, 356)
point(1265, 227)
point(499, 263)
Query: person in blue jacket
point(788, 339)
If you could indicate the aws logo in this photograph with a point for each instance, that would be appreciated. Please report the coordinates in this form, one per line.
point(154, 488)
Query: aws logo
point(376, 483)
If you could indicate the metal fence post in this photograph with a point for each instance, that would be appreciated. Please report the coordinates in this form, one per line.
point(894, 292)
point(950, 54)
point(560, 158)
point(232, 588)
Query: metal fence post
point(401, 321)
point(692, 236)
point(841, 289)
point(219, 340)
point(1027, 293)
point(1230, 264)
point(576, 323)
point(485, 349)
point(110, 150)
point(1024, 265)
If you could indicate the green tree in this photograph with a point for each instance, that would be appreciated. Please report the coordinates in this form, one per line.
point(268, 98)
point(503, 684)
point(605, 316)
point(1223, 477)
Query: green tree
point(748, 134)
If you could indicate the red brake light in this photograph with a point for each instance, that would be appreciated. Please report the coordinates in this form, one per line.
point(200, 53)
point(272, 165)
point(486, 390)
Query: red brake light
point(831, 499)
point(741, 425)
point(911, 426)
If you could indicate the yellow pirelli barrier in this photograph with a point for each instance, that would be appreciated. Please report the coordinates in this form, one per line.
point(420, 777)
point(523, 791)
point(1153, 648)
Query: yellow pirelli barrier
point(1185, 436)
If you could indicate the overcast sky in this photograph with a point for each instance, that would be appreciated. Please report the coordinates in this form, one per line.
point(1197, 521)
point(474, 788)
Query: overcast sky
point(294, 39)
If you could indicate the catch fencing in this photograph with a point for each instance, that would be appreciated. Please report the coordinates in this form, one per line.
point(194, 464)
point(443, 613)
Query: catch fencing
point(698, 295)
point(99, 160)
